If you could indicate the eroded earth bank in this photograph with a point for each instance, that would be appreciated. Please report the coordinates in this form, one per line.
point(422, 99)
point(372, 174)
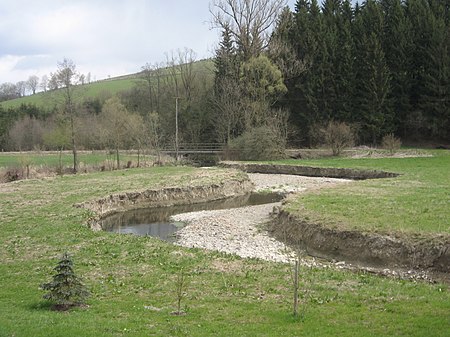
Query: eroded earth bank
point(268, 232)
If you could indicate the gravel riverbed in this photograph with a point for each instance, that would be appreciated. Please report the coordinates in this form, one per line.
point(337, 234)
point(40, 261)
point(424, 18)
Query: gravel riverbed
point(240, 230)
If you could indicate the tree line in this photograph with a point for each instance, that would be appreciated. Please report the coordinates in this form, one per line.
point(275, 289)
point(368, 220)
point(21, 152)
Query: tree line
point(378, 68)
point(382, 66)
point(142, 117)
point(33, 85)
point(276, 78)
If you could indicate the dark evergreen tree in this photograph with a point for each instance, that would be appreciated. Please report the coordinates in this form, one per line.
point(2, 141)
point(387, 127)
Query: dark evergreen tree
point(397, 45)
point(227, 92)
point(372, 109)
point(226, 60)
point(429, 67)
point(311, 83)
point(344, 64)
point(435, 96)
point(66, 289)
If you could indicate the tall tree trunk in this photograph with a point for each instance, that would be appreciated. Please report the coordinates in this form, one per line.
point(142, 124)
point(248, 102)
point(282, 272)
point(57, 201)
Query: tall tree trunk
point(117, 157)
point(139, 154)
point(60, 160)
point(74, 146)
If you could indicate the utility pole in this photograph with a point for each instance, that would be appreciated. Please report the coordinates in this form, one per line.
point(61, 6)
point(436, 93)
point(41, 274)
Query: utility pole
point(176, 127)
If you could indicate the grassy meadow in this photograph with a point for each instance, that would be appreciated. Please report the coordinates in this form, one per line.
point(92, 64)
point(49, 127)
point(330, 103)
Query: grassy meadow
point(133, 279)
point(91, 90)
point(51, 159)
point(101, 88)
point(418, 201)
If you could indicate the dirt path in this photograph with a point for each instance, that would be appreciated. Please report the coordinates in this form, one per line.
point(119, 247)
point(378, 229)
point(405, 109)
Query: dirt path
point(239, 231)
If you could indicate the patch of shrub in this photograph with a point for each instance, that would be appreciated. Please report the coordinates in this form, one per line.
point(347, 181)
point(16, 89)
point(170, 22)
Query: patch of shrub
point(391, 143)
point(259, 143)
point(338, 136)
point(11, 174)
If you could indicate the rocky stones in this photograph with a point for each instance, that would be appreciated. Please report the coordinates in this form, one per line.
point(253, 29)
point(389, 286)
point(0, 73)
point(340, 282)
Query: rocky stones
point(241, 231)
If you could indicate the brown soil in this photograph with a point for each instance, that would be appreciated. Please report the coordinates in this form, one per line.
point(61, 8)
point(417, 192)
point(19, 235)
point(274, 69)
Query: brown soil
point(366, 248)
point(310, 171)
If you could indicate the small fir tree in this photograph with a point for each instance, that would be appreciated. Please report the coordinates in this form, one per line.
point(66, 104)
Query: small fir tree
point(66, 289)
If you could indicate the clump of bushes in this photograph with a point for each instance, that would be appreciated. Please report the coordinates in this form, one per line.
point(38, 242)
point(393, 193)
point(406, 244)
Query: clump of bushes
point(335, 135)
point(8, 175)
point(391, 143)
point(258, 143)
point(338, 136)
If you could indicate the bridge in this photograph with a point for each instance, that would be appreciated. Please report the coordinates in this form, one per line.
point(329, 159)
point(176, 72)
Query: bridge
point(196, 148)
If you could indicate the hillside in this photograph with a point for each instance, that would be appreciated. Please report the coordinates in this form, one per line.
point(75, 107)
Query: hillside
point(110, 86)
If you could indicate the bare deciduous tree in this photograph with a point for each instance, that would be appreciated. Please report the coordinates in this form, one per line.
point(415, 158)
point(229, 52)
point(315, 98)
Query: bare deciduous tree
point(8, 91)
point(173, 78)
point(67, 77)
point(118, 124)
point(228, 106)
point(32, 83)
point(151, 87)
point(186, 59)
point(53, 82)
point(26, 134)
point(250, 22)
point(44, 83)
point(21, 88)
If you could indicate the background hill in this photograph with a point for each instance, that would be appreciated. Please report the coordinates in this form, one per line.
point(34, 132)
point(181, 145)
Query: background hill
point(106, 87)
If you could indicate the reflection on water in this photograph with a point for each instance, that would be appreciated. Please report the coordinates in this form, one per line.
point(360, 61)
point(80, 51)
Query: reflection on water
point(155, 221)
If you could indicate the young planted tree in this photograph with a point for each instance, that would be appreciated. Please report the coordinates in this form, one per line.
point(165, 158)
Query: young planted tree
point(66, 289)
point(180, 290)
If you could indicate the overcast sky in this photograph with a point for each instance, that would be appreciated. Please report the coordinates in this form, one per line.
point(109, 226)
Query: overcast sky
point(103, 37)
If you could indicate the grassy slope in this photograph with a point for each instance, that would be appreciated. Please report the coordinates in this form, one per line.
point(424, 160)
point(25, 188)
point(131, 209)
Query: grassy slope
point(95, 89)
point(226, 295)
point(417, 201)
point(88, 90)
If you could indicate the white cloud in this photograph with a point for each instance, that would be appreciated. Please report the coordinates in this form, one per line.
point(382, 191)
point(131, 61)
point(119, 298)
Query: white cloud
point(7, 66)
point(104, 37)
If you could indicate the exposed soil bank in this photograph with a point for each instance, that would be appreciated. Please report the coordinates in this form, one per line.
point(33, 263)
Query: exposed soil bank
point(373, 249)
point(165, 197)
point(309, 171)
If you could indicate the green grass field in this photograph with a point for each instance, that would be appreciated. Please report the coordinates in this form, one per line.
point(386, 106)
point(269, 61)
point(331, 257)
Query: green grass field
point(132, 279)
point(416, 202)
point(52, 159)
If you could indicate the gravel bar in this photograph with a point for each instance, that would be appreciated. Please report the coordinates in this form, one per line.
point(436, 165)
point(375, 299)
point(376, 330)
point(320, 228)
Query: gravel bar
point(239, 231)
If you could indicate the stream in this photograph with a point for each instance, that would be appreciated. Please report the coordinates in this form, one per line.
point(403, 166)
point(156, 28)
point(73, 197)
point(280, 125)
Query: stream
point(156, 222)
